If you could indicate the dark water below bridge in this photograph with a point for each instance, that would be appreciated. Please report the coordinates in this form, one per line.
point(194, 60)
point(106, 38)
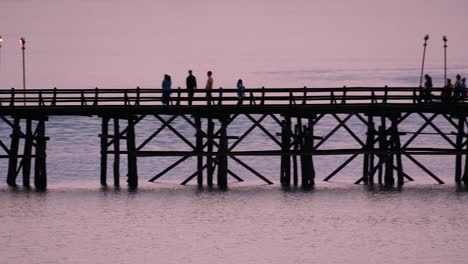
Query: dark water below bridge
point(77, 222)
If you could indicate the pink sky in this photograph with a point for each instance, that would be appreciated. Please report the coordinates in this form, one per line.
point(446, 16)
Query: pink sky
point(87, 43)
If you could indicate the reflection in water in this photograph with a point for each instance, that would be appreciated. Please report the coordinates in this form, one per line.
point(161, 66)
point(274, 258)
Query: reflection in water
point(333, 223)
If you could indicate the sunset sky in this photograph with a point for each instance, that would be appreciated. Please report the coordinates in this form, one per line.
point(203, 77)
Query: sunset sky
point(88, 43)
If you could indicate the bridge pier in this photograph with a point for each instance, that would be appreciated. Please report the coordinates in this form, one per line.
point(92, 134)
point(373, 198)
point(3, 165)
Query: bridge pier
point(131, 154)
point(285, 176)
point(32, 140)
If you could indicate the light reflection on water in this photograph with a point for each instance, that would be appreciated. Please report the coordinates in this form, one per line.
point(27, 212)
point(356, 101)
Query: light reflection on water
point(247, 224)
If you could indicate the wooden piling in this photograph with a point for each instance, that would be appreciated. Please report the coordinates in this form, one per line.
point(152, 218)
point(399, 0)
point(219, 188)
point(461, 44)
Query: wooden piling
point(389, 147)
point(117, 152)
point(13, 156)
point(104, 137)
point(222, 155)
point(309, 175)
point(199, 146)
point(397, 150)
point(367, 168)
point(295, 148)
point(132, 154)
point(285, 177)
point(459, 147)
point(40, 170)
point(28, 144)
point(209, 158)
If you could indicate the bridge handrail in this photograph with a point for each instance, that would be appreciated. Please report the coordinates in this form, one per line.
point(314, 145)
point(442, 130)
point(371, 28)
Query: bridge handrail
point(261, 96)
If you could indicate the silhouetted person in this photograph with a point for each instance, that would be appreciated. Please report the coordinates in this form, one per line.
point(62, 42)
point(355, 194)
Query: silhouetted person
point(446, 92)
point(191, 82)
point(240, 89)
point(427, 89)
point(166, 89)
point(457, 89)
point(209, 86)
point(464, 93)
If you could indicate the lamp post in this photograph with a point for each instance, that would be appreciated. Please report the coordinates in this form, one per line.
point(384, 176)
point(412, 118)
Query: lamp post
point(423, 60)
point(444, 38)
point(1, 41)
point(22, 42)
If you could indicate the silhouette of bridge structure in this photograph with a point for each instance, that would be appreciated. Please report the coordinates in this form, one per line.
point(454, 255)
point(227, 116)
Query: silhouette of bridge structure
point(297, 113)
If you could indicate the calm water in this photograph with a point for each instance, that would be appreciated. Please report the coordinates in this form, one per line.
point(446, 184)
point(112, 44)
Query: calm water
point(84, 44)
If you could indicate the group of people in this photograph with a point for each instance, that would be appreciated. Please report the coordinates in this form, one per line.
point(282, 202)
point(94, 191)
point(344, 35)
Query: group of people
point(191, 84)
point(450, 92)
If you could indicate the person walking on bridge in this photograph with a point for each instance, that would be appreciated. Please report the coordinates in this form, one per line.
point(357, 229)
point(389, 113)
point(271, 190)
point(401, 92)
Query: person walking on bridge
point(191, 82)
point(166, 89)
point(457, 89)
point(427, 90)
point(446, 92)
point(209, 86)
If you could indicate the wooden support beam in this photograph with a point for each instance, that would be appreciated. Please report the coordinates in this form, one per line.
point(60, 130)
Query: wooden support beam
point(346, 127)
point(173, 165)
point(209, 159)
point(123, 132)
point(342, 166)
point(308, 179)
point(177, 133)
point(199, 148)
point(459, 147)
point(159, 130)
point(247, 132)
point(259, 125)
point(285, 176)
point(117, 150)
point(437, 129)
point(426, 170)
point(295, 146)
point(13, 159)
point(104, 137)
point(26, 161)
point(397, 149)
point(193, 175)
point(243, 164)
point(40, 168)
point(333, 131)
point(132, 154)
point(222, 155)
point(419, 131)
point(369, 146)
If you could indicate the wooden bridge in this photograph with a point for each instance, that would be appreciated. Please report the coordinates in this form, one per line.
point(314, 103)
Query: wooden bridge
point(297, 112)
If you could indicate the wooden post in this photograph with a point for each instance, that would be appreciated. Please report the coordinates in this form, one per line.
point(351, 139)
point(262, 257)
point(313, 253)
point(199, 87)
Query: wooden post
point(369, 146)
point(132, 154)
point(13, 157)
point(199, 146)
point(309, 176)
point(389, 147)
point(27, 153)
point(459, 146)
point(295, 148)
point(104, 137)
point(40, 171)
point(222, 155)
point(285, 177)
point(209, 159)
point(382, 145)
point(465, 174)
point(397, 148)
point(371, 139)
point(117, 152)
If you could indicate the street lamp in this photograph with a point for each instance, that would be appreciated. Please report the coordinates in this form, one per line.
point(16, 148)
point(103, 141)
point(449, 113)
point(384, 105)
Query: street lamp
point(22, 42)
point(444, 38)
point(1, 41)
point(423, 59)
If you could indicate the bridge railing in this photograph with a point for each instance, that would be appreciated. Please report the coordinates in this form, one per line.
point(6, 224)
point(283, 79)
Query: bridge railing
point(179, 96)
